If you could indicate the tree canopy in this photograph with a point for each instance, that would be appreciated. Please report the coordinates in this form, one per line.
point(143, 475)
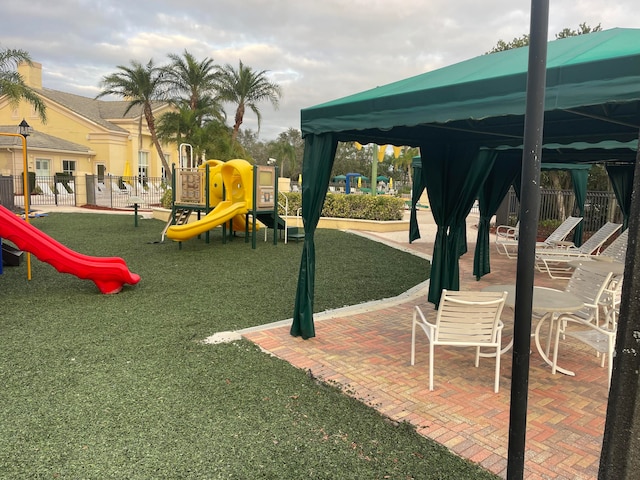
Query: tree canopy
point(523, 40)
point(197, 90)
point(141, 85)
point(12, 84)
point(246, 88)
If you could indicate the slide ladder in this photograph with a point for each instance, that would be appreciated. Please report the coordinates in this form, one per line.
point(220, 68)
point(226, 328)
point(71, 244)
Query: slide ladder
point(182, 217)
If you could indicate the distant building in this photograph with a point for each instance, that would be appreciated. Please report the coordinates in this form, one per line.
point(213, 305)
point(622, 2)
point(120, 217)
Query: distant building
point(82, 136)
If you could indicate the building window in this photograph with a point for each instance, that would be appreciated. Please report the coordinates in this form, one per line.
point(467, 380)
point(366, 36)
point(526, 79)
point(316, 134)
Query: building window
point(69, 166)
point(101, 171)
point(42, 167)
point(143, 164)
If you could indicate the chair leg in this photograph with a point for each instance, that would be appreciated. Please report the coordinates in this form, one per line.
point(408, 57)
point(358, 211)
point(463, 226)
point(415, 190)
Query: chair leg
point(549, 334)
point(496, 386)
point(610, 355)
point(431, 349)
point(477, 356)
point(413, 340)
point(555, 348)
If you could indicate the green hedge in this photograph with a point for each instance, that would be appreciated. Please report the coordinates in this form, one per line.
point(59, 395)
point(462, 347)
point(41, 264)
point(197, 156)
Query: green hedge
point(339, 205)
point(363, 207)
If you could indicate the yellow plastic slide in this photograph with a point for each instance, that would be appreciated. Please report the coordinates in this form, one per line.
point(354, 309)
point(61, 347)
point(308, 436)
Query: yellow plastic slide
point(224, 212)
point(237, 176)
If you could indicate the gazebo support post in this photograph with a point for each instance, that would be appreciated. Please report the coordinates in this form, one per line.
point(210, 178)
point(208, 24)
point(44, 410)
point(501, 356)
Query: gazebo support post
point(530, 207)
point(619, 458)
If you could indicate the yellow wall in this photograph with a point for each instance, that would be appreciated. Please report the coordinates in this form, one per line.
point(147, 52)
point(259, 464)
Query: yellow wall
point(108, 147)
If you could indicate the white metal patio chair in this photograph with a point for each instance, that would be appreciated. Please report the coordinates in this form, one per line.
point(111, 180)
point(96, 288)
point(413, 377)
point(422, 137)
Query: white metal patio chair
point(510, 247)
point(554, 260)
point(610, 301)
point(464, 319)
point(590, 287)
point(506, 233)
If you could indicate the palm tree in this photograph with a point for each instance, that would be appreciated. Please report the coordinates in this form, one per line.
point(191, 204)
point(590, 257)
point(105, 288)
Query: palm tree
point(289, 146)
point(141, 85)
point(190, 80)
point(192, 87)
point(12, 84)
point(246, 88)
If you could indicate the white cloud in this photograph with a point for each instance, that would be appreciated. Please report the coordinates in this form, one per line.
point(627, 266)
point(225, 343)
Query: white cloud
point(317, 51)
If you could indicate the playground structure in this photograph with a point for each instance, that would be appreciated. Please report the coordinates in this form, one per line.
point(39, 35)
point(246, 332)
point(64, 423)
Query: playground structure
point(235, 195)
point(108, 273)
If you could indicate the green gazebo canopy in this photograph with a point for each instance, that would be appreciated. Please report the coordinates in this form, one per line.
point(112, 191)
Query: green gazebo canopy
point(458, 116)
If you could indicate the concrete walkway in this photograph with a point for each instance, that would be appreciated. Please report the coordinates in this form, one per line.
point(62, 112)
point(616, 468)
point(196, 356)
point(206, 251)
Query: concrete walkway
point(365, 350)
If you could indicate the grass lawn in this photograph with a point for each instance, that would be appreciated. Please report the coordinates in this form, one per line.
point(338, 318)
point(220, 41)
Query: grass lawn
point(120, 387)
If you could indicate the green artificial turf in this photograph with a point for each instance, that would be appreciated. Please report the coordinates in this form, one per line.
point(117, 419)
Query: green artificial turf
point(120, 387)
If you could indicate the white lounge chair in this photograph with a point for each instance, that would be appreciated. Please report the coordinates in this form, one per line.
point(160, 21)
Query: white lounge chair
point(62, 190)
point(555, 239)
point(616, 251)
point(554, 261)
point(464, 319)
point(45, 188)
point(115, 188)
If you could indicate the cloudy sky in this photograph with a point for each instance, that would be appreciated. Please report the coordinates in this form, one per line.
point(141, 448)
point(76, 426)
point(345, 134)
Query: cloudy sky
point(317, 50)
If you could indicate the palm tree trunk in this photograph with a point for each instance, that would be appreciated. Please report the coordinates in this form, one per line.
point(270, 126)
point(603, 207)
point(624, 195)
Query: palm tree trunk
point(557, 187)
point(151, 123)
point(238, 121)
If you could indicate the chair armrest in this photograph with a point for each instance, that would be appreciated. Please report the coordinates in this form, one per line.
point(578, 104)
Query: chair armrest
point(506, 232)
point(564, 244)
point(424, 323)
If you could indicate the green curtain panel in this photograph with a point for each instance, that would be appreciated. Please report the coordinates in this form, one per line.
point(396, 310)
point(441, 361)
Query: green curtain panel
point(506, 167)
point(579, 176)
point(579, 179)
point(416, 192)
point(621, 177)
point(456, 173)
point(319, 154)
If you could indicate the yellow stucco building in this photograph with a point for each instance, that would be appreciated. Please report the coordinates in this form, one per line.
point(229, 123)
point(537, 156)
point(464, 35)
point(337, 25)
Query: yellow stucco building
point(82, 136)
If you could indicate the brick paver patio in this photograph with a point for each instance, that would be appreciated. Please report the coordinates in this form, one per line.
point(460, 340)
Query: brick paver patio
point(366, 352)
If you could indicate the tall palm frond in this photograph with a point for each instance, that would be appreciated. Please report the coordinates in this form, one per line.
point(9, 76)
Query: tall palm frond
point(141, 85)
point(12, 84)
point(246, 88)
point(192, 80)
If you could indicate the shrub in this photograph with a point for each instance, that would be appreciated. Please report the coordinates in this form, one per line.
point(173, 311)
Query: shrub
point(167, 199)
point(364, 207)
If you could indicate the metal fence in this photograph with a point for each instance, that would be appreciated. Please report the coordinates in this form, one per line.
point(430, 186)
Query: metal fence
point(599, 207)
point(107, 191)
point(45, 190)
point(117, 192)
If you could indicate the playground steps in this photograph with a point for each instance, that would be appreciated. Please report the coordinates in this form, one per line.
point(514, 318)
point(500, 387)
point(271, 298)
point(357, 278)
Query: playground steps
point(295, 233)
point(268, 220)
point(11, 256)
point(182, 217)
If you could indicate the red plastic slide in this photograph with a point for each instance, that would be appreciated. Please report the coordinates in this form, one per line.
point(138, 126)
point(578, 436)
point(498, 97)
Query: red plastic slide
point(108, 273)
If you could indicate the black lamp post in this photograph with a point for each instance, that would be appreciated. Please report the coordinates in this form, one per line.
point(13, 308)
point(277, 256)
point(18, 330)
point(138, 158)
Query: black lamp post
point(24, 129)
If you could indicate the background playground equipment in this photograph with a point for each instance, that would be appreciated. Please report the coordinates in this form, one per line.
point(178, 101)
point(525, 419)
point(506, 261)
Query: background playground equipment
point(108, 273)
point(228, 193)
